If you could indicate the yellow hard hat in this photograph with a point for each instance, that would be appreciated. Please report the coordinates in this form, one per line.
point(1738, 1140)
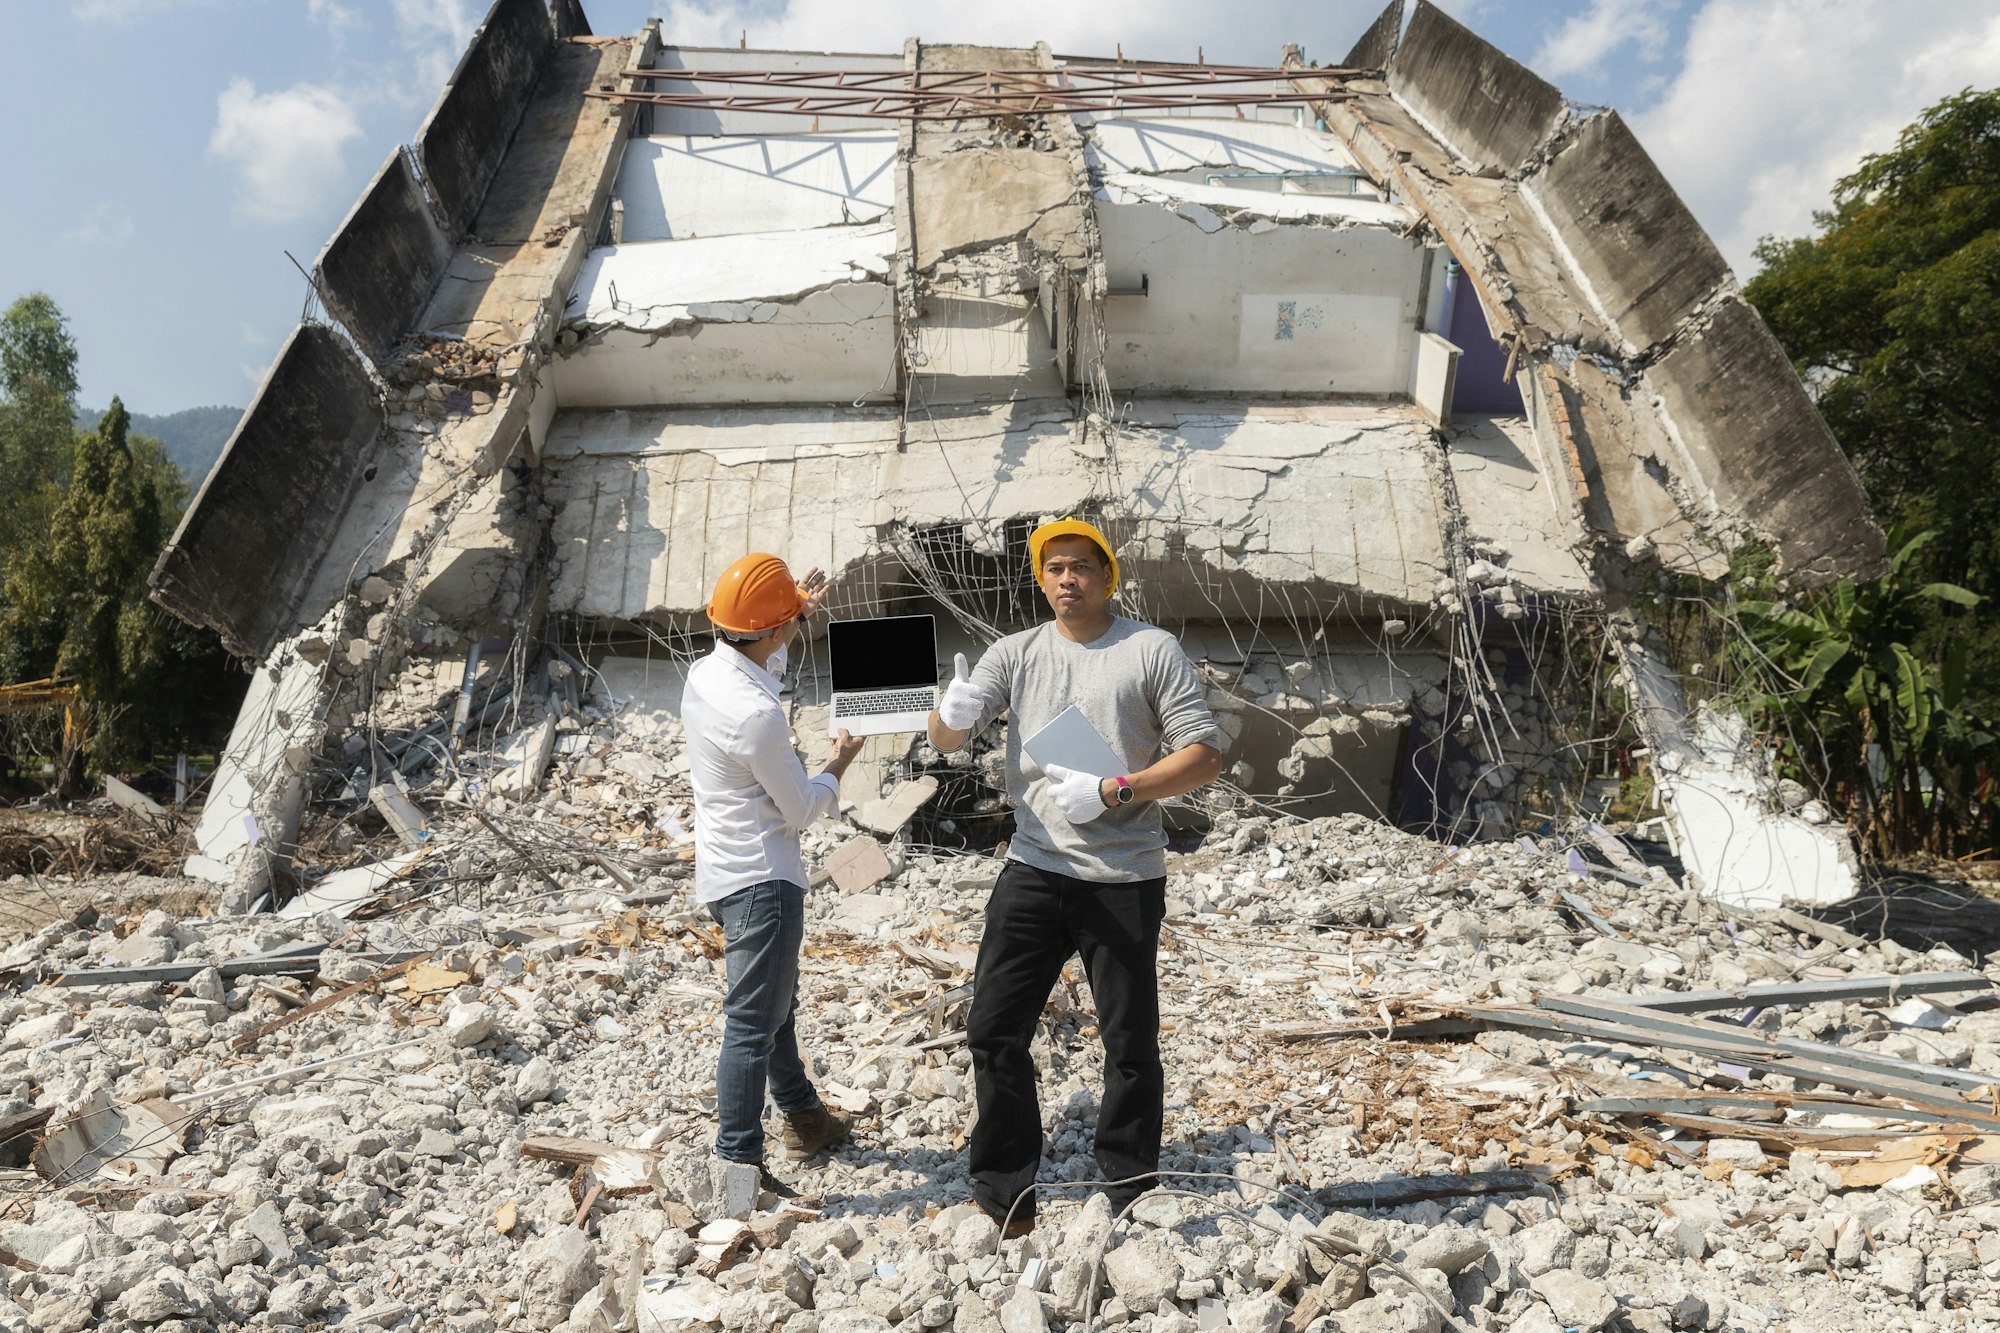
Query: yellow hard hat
point(753, 595)
point(1069, 527)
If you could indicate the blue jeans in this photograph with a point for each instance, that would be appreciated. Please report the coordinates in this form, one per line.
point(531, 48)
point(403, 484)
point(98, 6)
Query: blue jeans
point(764, 925)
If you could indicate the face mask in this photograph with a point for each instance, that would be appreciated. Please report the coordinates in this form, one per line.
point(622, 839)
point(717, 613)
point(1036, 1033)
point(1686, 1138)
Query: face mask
point(775, 663)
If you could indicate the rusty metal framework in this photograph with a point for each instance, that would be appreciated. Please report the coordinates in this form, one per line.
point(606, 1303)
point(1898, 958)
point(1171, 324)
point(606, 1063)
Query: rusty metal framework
point(902, 94)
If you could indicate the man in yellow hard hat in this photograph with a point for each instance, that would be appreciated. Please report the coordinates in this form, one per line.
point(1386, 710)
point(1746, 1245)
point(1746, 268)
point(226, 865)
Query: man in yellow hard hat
point(1086, 869)
point(751, 799)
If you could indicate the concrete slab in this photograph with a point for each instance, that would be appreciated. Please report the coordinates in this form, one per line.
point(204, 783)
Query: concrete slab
point(652, 286)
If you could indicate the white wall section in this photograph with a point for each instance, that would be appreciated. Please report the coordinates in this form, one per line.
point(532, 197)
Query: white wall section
point(677, 187)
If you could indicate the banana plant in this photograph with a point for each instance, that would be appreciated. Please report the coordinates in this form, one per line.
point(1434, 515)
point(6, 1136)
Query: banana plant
point(1834, 674)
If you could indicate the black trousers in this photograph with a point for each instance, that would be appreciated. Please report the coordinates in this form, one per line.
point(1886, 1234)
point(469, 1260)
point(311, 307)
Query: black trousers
point(1035, 921)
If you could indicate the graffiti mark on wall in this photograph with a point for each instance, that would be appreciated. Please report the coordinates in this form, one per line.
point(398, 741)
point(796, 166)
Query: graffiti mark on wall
point(1294, 319)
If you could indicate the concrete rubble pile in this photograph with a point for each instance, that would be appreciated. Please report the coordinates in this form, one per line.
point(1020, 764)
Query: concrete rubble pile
point(477, 1094)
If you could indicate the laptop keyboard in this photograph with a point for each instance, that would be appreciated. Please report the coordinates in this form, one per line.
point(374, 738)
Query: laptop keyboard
point(877, 702)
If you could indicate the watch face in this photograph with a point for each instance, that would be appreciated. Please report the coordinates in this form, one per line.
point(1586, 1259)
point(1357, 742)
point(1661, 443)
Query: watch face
point(1124, 795)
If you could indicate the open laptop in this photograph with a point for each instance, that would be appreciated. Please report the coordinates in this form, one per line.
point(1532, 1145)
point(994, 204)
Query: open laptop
point(885, 674)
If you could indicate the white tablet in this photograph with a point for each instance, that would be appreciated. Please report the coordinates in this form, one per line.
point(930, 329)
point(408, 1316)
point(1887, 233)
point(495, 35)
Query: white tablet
point(1070, 740)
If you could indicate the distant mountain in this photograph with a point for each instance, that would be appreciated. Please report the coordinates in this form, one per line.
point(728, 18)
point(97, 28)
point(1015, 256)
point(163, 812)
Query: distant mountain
point(193, 437)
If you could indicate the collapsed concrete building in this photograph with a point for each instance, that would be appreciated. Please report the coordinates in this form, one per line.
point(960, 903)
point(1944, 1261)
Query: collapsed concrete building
point(1381, 375)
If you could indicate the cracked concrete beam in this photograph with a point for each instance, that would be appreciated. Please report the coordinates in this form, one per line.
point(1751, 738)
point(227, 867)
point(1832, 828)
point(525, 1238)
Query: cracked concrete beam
point(1647, 262)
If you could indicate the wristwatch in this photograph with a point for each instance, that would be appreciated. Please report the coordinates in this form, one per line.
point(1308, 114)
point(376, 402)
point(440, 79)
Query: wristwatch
point(1123, 794)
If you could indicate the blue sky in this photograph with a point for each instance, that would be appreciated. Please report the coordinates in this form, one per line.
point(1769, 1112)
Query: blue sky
point(171, 151)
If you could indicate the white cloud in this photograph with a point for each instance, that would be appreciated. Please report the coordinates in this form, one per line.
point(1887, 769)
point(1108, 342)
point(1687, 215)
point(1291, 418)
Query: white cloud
point(1586, 38)
point(1778, 99)
point(251, 337)
point(332, 15)
point(433, 33)
point(288, 148)
point(127, 11)
point(101, 228)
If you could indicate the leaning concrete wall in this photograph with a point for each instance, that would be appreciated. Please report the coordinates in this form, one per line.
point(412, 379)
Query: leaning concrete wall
point(252, 538)
point(1648, 262)
point(1684, 397)
point(1491, 109)
point(466, 134)
point(377, 272)
point(1732, 400)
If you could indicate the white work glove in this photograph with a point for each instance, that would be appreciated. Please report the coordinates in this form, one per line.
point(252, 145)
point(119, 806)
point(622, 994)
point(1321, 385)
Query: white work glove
point(961, 705)
point(1078, 795)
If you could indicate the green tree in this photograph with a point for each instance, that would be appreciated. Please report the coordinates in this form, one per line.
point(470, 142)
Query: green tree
point(1892, 315)
point(37, 409)
point(74, 603)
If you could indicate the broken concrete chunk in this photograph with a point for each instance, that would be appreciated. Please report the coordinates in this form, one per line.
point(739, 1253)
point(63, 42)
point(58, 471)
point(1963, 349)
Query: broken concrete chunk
point(886, 814)
point(1449, 1250)
point(735, 1187)
point(1577, 1301)
point(556, 1270)
point(1143, 1272)
point(859, 865)
point(1547, 1246)
point(527, 758)
point(534, 1082)
point(470, 1024)
point(266, 1225)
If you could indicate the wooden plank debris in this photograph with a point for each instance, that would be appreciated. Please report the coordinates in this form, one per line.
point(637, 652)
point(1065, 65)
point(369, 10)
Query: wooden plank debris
point(571, 1151)
point(285, 1020)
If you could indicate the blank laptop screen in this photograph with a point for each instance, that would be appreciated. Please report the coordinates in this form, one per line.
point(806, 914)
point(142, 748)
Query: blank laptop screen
point(896, 652)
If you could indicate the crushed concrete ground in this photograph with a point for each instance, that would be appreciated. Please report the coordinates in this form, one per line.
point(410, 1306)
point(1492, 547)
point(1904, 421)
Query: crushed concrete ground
point(538, 990)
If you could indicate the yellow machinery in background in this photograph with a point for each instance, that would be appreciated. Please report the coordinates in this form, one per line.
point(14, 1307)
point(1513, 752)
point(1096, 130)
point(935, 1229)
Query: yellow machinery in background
point(48, 694)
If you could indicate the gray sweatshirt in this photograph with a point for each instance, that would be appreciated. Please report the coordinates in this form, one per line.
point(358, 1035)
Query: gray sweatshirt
point(1139, 690)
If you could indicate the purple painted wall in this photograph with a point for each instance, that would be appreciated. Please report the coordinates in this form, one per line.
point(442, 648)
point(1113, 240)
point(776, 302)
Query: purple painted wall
point(1479, 389)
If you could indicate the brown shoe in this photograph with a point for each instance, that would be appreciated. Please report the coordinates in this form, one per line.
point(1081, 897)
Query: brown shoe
point(806, 1132)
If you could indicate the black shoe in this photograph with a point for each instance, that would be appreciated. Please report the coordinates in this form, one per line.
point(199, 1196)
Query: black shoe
point(1022, 1224)
point(1122, 1197)
point(770, 1184)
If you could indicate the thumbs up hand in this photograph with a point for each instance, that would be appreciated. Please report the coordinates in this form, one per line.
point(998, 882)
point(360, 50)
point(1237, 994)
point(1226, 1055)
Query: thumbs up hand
point(961, 705)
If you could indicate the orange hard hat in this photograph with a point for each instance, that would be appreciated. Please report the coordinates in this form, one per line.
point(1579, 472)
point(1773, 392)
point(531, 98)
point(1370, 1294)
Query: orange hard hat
point(754, 595)
point(1069, 527)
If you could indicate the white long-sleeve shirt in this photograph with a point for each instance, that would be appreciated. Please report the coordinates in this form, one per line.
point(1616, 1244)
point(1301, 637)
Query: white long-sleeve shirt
point(751, 792)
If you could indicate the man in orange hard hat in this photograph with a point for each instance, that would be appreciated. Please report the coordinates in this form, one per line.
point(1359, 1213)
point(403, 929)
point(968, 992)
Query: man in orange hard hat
point(751, 799)
point(1086, 869)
